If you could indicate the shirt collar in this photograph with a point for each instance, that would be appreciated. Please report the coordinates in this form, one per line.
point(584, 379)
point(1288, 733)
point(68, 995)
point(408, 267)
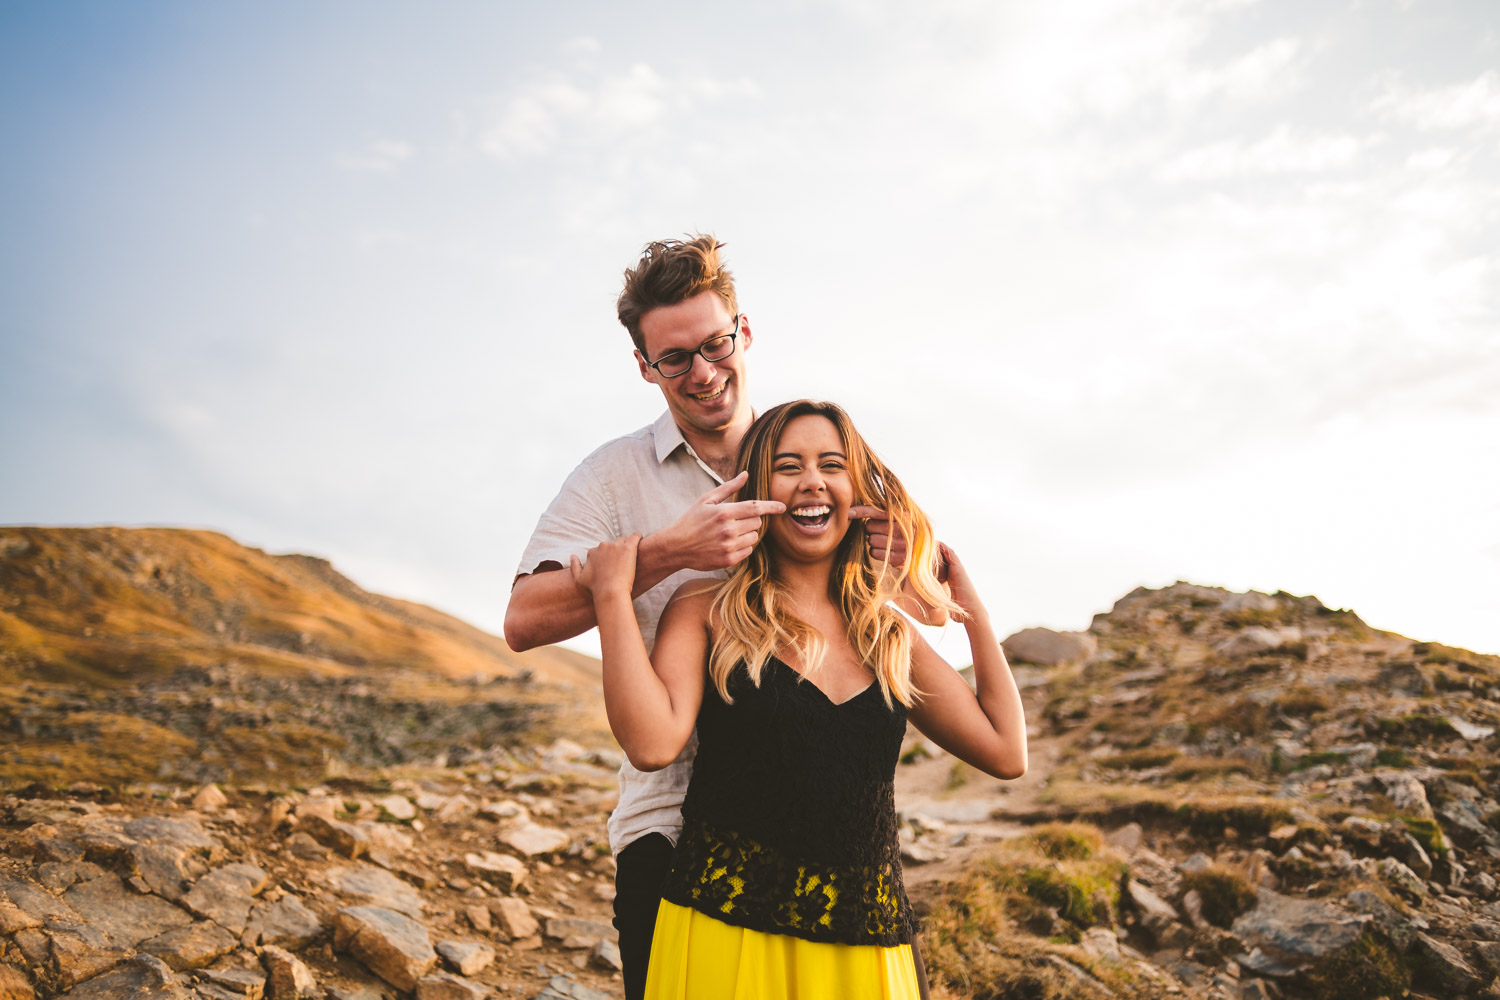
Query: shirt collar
point(667, 437)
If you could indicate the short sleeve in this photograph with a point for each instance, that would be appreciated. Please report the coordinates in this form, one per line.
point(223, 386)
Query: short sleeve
point(579, 517)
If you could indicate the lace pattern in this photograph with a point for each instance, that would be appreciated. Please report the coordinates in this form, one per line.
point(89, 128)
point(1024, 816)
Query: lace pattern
point(748, 884)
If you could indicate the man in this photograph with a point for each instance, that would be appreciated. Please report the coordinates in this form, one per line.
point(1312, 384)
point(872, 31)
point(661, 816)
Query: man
point(670, 481)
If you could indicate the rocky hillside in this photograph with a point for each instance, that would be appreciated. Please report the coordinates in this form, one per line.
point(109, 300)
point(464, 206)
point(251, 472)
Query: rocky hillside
point(128, 655)
point(1232, 796)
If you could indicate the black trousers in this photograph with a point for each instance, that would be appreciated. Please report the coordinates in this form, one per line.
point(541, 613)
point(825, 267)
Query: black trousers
point(640, 872)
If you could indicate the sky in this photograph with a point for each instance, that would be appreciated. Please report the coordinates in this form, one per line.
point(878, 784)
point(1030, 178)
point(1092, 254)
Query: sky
point(1127, 291)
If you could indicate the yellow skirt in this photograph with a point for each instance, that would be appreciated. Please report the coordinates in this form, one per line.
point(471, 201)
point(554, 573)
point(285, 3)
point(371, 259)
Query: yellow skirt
point(695, 957)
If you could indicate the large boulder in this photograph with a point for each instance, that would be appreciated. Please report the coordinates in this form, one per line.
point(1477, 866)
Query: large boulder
point(1286, 934)
point(1049, 648)
point(392, 945)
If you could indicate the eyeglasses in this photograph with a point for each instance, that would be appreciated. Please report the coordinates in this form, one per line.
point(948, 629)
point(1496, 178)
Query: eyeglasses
point(680, 362)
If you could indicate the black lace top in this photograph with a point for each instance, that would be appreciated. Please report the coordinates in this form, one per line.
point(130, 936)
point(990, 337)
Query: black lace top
point(789, 824)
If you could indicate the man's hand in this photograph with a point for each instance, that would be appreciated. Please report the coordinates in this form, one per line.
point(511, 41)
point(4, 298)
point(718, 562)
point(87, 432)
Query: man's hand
point(610, 569)
point(714, 533)
point(887, 543)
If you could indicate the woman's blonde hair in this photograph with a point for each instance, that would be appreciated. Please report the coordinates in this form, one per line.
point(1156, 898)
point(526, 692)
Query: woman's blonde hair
point(750, 611)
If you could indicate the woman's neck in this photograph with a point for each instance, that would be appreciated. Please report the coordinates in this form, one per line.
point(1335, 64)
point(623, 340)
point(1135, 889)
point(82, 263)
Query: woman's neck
point(805, 582)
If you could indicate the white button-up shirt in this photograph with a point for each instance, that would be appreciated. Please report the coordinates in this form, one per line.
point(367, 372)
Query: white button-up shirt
point(640, 482)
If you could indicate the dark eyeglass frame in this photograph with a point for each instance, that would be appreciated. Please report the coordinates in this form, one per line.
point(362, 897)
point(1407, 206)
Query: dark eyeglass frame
point(732, 337)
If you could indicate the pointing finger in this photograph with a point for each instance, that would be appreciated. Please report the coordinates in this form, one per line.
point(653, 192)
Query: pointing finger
point(864, 510)
point(725, 490)
point(747, 509)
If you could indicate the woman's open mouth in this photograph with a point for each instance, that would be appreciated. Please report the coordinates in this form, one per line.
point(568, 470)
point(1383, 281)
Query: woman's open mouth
point(811, 518)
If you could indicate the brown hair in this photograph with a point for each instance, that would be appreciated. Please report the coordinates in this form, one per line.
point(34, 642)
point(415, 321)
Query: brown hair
point(669, 272)
point(751, 609)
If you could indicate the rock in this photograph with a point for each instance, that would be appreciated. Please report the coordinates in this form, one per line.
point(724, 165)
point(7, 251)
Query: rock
point(1443, 965)
point(191, 947)
point(1363, 830)
point(1047, 648)
point(479, 918)
point(1401, 878)
point(375, 887)
point(1291, 932)
point(445, 986)
point(1192, 908)
point(1489, 954)
point(503, 871)
point(303, 846)
point(1250, 600)
point(1465, 821)
point(575, 932)
point(1484, 884)
point(182, 831)
point(1469, 731)
point(606, 955)
point(14, 985)
point(122, 913)
point(1127, 838)
point(13, 918)
point(226, 894)
point(393, 946)
point(79, 951)
point(209, 798)
point(1256, 640)
point(346, 838)
point(532, 839)
point(456, 809)
point(1197, 864)
point(1400, 930)
point(505, 810)
point(286, 923)
point(243, 982)
point(144, 976)
point(58, 875)
point(1101, 943)
point(1406, 793)
point(513, 918)
point(167, 868)
point(467, 957)
point(563, 988)
point(287, 977)
point(398, 806)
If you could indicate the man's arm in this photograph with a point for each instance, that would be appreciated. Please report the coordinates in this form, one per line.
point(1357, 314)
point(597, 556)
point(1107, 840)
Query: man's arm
point(548, 606)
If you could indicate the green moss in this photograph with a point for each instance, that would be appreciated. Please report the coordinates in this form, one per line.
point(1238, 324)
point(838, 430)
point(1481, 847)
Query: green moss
point(1392, 757)
point(1370, 967)
point(1321, 757)
point(1072, 890)
point(1257, 816)
point(1427, 833)
point(1068, 841)
point(1225, 894)
point(1417, 725)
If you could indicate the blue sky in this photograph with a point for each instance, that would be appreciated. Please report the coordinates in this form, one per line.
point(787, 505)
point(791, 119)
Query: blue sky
point(1128, 290)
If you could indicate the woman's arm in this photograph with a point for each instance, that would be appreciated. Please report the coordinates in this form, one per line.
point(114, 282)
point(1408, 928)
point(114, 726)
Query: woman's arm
point(985, 727)
point(652, 706)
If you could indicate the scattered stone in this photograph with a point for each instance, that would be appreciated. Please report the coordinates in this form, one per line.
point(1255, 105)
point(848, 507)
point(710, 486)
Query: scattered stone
point(375, 887)
point(1469, 731)
point(1127, 838)
point(1101, 943)
point(398, 806)
point(122, 913)
point(1406, 793)
point(563, 988)
point(479, 918)
point(531, 839)
point(226, 894)
point(467, 957)
point(513, 918)
point(392, 945)
point(167, 868)
point(575, 932)
point(446, 986)
point(346, 838)
point(1401, 878)
point(606, 955)
point(505, 872)
point(505, 810)
point(209, 798)
point(1400, 930)
point(286, 922)
point(458, 807)
point(1444, 965)
point(1047, 648)
point(248, 983)
point(1256, 640)
point(191, 947)
point(303, 846)
point(1197, 864)
point(1293, 931)
point(143, 976)
point(14, 985)
point(287, 976)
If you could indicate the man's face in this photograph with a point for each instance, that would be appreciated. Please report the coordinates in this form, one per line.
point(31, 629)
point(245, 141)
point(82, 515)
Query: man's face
point(711, 395)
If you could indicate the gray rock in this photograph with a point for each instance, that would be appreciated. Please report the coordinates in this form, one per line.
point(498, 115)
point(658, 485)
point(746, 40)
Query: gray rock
point(1406, 793)
point(1256, 640)
point(58, 875)
point(346, 838)
point(375, 887)
point(466, 957)
point(191, 947)
point(287, 976)
point(32, 904)
point(446, 986)
point(285, 922)
point(1401, 878)
point(303, 846)
point(1045, 647)
point(247, 983)
point(167, 869)
point(1401, 931)
point(399, 807)
point(393, 946)
point(1444, 965)
point(184, 832)
point(1250, 600)
point(142, 978)
point(575, 932)
point(1292, 931)
point(13, 918)
point(563, 988)
point(1196, 864)
point(532, 839)
point(78, 950)
point(505, 872)
point(1489, 954)
point(1465, 821)
point(606, 955)
point(1127, 838)
point(513, 918)
point(226, 894)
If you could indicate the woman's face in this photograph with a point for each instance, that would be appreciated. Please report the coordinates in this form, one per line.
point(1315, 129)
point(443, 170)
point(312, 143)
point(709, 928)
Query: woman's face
point(810, 474)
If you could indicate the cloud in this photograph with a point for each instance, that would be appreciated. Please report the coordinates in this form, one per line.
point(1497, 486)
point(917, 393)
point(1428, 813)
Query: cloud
point(379, 156)
point(1471, 105)
point(1281, 152)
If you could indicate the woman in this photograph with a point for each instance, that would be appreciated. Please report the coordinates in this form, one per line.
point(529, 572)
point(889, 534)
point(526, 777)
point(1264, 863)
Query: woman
point(799, 676)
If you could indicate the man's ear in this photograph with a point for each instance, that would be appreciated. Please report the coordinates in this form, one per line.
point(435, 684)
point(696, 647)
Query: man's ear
point(647, 372)
point(745, 333)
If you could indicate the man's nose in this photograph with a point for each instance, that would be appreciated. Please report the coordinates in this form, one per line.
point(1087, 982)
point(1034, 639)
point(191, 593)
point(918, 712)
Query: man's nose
point(702, 371)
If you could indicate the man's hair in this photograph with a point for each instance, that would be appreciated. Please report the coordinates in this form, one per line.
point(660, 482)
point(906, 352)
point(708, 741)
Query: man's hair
point(669, 272)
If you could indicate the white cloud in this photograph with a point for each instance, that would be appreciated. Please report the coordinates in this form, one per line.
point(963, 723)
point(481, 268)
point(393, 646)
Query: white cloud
point(1281, 152)
point(381, 155)
point(1475, 104)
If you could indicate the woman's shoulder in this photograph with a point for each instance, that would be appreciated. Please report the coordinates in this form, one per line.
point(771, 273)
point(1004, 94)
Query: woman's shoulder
point(693, 599)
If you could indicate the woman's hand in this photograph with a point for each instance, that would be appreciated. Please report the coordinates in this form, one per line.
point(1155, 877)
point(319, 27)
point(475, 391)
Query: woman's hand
point(610, 568)
point(960, 584)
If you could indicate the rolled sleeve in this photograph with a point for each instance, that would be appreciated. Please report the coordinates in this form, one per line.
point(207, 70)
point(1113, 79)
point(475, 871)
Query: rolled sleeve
point(581, 516)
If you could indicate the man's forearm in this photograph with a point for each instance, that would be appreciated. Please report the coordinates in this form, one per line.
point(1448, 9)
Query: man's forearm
point(547, 606)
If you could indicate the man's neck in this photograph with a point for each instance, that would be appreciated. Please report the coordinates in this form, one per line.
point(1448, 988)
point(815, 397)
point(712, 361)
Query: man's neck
point(718, 451)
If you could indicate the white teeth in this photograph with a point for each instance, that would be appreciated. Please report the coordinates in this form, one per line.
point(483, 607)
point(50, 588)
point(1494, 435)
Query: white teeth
point(812, 511)
point(705, 396)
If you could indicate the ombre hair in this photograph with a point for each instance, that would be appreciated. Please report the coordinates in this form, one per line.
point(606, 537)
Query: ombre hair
point(750, 611)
